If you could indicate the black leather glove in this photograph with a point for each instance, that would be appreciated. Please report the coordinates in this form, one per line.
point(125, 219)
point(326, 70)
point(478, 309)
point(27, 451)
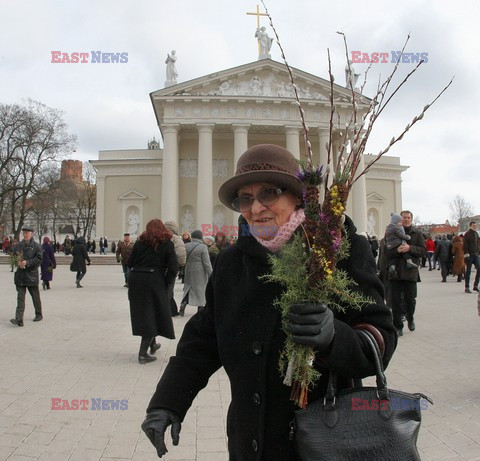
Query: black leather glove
point(311, 325)
point(155, 425)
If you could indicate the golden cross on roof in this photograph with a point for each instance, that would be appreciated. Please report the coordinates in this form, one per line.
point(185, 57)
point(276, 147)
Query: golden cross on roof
point(258, 14)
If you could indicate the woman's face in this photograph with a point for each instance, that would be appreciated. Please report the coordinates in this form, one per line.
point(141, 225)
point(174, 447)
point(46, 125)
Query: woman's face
point(264, 221)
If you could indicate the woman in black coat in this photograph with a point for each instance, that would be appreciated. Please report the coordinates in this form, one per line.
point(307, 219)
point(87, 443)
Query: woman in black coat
point(48, 263)
point(240, 328)
point(80, 259)
point(153, 265)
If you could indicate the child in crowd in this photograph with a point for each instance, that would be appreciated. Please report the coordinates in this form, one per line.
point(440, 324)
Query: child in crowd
point(394, 237)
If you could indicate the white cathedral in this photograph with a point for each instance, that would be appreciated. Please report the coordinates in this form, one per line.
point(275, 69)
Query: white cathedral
point(206, 124)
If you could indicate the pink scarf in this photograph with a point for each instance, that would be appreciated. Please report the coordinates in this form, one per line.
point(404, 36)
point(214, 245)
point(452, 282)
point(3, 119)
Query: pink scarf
point(284, 233)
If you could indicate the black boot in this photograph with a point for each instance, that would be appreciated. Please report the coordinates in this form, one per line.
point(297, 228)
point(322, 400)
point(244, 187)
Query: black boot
point(154, 346)
point(181, 311)
point(143, 356)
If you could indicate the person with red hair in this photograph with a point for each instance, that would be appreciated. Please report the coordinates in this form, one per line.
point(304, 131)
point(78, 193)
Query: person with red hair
point(153, 266)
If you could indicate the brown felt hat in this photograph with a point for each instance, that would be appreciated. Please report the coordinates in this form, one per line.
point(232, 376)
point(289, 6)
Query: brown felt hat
point(264, 163)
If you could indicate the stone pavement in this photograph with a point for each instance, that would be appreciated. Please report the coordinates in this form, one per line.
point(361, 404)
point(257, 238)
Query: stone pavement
point(84, 349)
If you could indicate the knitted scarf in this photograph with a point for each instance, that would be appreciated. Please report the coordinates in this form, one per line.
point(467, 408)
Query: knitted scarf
point(284, 232)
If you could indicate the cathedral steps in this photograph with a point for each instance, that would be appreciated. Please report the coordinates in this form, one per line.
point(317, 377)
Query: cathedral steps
point(97, 260)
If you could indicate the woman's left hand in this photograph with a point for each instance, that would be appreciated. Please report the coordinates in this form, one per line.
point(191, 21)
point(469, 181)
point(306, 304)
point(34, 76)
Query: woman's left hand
point(312, 325)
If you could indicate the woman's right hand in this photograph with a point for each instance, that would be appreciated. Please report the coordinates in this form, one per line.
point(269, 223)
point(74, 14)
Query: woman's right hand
point(156, 423)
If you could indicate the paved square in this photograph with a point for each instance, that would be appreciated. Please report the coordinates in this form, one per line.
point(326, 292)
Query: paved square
point(83, 349)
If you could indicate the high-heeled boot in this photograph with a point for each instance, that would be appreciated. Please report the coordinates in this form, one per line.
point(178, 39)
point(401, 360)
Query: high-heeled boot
point(143, 356)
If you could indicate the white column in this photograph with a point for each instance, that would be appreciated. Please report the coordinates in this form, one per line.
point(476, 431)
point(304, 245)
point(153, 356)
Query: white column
point(100, 213)
point(359, 191)
point(323, 143)
point(240, 142)
point(204, 176)
point(170, 173)
point(293, 140)
point(398, 195)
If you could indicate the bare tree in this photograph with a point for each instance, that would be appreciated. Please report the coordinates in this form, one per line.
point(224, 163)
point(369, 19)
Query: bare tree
point(88, 200)
point(460, 209)
point(43, 209)
point(32, 136)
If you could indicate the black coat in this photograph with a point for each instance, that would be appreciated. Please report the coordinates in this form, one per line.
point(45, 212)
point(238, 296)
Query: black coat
point(80, 255)
point(32, 253)
point(151, 272)
point(240, 329)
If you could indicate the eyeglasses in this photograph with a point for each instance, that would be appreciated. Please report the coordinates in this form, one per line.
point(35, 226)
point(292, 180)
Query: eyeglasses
point(266, 197)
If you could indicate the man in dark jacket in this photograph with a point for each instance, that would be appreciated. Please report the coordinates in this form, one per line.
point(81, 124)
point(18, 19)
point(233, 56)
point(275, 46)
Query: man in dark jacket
point(26, 276)
point(471, 249)
point(124, 248)
point(403, 281)
point(443, 253)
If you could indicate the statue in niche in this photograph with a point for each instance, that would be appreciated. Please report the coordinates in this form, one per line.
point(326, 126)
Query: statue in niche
point(371, 221)
point(219, 218)
point(188, 222)
point(171, 68)
point(133, 221)
point(264, 42)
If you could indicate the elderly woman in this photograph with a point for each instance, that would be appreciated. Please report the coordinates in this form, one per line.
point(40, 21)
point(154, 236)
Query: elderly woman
point(153, 267)
point(48, 263)
point(240, 328)
point(197, 270)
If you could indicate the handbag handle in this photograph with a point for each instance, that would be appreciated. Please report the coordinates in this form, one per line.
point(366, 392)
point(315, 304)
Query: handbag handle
point(382, 389)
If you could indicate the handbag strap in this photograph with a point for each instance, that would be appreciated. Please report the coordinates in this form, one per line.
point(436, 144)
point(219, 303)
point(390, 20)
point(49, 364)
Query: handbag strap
point(382, 389)
point(190, 252)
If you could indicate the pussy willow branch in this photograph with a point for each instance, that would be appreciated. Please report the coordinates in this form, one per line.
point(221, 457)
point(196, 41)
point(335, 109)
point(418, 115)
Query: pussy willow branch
point(395, 140)
point(384, 87)
point(360, 137)
point(330, 129)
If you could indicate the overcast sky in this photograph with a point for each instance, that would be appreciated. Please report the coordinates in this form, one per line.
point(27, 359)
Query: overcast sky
point(108, 106)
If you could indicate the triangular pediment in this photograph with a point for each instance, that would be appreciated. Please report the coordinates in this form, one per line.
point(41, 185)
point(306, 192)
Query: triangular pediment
point(259, 79)
point(132, 194)
point(374, 197)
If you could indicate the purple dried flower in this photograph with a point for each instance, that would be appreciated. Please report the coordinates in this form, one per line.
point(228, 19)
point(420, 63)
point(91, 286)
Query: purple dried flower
point(311, 176)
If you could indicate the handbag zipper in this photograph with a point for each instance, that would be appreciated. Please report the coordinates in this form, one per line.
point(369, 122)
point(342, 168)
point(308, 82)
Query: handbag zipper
point(291, 434)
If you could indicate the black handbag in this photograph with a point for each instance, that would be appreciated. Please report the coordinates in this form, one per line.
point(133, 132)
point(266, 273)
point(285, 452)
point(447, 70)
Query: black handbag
point(362, 423)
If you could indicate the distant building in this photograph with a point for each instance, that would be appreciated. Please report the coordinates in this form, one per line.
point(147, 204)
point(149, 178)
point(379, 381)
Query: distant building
point(439, 229)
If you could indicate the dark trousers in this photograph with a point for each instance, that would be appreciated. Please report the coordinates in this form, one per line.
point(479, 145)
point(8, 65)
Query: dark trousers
point(409, 291)
point(126, 272)
point(37, 303)
point(472, 261)
point(80, 276)
point(429, 257)
point(444, 270)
